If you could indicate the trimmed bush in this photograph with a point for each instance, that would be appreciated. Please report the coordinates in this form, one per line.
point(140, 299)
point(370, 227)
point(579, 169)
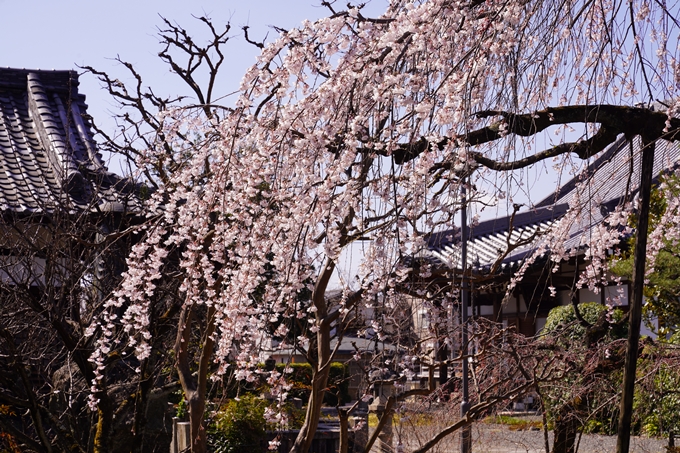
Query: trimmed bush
point(301, 379)
point(239, 427)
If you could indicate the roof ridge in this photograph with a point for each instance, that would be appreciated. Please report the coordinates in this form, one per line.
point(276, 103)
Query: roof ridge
point(49, 133)
point(63, 81)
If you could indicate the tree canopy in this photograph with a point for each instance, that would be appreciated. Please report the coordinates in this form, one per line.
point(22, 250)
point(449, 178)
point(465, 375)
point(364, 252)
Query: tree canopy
point(352, 128)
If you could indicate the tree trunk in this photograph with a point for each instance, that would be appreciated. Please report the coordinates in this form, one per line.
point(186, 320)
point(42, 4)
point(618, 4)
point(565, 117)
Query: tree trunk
point(322, 364)
point(141, 399)
point(343, 416)
point(104, 421)
point(565, 433)
point(194, 387)
point(544, 415)
point(319, 383)
point(196, 406)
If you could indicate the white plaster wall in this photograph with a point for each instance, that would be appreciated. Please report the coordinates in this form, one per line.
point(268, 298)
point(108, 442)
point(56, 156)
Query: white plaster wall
point(540, 324)
point(486, 310)
point(522, 305)
point(510, 305)
point(19, 270)
point(586, 295)
point(644, 330)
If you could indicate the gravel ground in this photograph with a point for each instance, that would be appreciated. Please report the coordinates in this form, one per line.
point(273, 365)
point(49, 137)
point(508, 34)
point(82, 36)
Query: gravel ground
point(491, 438)
point(499, 439)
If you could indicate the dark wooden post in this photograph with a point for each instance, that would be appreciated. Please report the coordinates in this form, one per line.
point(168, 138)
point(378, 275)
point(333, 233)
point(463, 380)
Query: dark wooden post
point(635, 313)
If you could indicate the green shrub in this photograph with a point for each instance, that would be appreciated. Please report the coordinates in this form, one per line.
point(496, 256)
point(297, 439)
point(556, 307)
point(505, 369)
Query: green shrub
point(563, 319)
point(182, 410)
point(301, 379)
point(239, 426)
point(584, 393)
point(594, 426)
point(656, 405)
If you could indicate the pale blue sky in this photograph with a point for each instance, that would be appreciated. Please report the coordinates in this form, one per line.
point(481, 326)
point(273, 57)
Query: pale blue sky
point(62, 34)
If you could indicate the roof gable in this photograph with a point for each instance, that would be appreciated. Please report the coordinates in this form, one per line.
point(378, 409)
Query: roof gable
point(48, 157)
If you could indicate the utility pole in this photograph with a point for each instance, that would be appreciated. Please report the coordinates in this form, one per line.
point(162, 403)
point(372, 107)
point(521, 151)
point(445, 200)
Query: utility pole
point(465, 438)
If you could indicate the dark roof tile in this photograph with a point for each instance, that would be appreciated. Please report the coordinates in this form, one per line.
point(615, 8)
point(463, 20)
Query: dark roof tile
point(47, 151)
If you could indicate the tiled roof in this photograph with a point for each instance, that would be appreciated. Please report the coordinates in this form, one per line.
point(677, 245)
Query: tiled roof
point(610, 175)
point(48, 158)
point(608, 179)
point(490, 239)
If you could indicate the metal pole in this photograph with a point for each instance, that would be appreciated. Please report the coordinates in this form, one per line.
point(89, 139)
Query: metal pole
point(465, 439)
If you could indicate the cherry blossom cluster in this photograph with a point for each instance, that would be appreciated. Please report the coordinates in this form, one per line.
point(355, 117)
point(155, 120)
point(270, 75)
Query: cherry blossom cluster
point(267, 198)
